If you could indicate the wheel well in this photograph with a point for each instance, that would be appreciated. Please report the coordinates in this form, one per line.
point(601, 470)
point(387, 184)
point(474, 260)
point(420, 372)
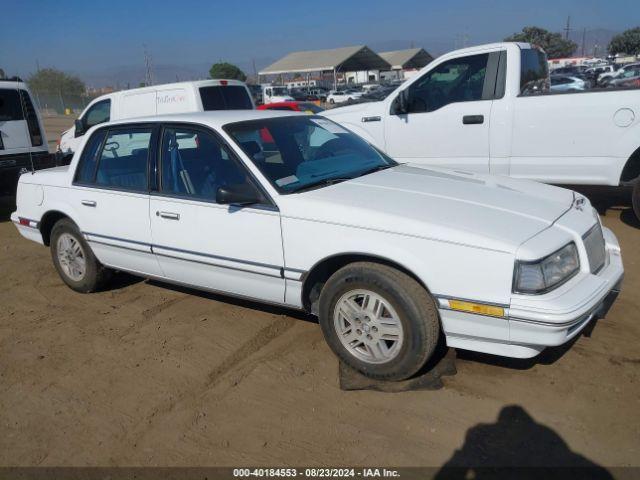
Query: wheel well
point(46, 224)
point(631, 169)
point(318, 275)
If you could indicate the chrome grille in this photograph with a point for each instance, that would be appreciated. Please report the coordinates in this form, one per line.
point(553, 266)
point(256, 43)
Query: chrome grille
point(594, 244)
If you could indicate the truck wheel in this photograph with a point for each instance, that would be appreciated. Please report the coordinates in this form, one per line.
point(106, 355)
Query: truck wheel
point(331, 101)
point(636, 198)
point(75, 262)
point(378, 320)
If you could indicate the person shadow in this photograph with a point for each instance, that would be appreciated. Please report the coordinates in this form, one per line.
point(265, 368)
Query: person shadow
point(516, 446)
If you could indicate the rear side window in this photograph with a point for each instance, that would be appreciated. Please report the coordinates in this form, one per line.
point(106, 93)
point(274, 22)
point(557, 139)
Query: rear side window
point(534, 72)
point(10, 106)
point(89, 159)
point(124, 158)
point(230, 97)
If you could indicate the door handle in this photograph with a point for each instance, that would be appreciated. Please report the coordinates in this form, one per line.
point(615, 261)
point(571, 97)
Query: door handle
point(169, 215)
point(473, 119)
point(89, 203)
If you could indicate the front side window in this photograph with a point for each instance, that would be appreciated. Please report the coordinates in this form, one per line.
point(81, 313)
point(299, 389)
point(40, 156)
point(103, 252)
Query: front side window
point(456, 80)
point(195, 164)
point(228, 97)
point(98, 113)
point(301, 152)
point(123, 159)
point(534, 72)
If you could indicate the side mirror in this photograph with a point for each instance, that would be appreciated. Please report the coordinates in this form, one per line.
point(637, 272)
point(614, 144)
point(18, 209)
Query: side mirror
point(238, 194)
point(402, 102)
point(79, 127)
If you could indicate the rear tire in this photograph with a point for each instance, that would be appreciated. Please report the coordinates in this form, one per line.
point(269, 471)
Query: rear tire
point(75, 262)
point(378, 320)
point(636, 198)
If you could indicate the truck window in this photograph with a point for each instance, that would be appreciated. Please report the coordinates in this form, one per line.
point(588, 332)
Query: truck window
point(456, 80)
point(32, 119)
point(10, 106)
point(534, 72)
point(98, 113)
point(230, 97)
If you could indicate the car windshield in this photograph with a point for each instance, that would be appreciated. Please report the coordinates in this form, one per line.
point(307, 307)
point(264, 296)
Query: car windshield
point(299, 153)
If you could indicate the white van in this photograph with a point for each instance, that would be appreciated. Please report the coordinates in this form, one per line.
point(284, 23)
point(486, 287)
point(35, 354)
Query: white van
point(181, 97)
point(23, 145)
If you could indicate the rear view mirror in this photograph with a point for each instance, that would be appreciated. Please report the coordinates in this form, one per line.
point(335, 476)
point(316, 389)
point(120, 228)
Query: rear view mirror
point(239, 194)
point(79, 127)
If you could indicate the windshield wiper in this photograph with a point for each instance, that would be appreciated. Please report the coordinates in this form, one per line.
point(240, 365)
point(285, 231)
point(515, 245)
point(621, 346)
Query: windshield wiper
point(375, 169)
point(321, 183)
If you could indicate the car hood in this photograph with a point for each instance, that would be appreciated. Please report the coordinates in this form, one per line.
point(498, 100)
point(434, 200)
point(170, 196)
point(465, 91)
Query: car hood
point(484, 211)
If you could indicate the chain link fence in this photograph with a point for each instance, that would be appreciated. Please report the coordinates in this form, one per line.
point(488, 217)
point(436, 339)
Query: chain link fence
point(51, 103)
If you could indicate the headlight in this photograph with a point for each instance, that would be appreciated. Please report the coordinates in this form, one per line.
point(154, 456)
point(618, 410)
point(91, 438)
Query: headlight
point(545, 274)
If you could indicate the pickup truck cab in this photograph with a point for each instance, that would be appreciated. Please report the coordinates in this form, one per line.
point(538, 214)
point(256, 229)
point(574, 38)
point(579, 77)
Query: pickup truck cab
point(488, 109)
point(293, 209)
point(183, 97)
point(23, 144)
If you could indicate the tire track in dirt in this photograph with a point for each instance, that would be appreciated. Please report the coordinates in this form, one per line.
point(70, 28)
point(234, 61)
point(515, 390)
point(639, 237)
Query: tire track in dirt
point(262, 338)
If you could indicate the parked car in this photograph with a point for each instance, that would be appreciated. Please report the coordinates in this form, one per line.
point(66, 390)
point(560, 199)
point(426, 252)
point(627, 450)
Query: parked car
point(23, 144)
point(389, 257)
point(605, 78)
point(488, 109)
point(307, 107)
point(204, 95)
point(626, 79)
point(341, 96)
point(275, 94)
point(566, 83)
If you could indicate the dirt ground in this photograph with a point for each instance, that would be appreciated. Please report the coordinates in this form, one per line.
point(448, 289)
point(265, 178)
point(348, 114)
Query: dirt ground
point(150, 375)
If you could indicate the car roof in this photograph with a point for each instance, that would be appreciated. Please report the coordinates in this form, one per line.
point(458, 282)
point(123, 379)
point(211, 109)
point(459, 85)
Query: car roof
point(216, 119)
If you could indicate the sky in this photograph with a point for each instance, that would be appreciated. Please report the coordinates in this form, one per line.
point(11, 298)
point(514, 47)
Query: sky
point(90, 37)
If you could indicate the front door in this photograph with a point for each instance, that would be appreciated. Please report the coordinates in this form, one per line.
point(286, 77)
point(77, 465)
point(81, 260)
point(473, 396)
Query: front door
point(447, 123)
point(199, 242)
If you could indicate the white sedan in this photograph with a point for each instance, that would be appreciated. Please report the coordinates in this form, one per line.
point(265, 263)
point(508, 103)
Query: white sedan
point(341, 96)
point(294, 210)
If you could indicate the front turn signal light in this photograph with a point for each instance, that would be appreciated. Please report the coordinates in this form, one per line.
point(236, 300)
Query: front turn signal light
point(479, 308)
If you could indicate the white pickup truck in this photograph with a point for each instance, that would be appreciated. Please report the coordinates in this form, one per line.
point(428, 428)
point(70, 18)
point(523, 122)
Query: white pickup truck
point(488, 109)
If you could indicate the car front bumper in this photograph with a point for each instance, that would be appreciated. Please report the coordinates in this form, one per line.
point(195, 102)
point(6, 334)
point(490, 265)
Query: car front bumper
point(534, 322)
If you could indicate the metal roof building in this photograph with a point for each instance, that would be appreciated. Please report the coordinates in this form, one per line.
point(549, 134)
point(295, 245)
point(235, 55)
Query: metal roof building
point(334, 60)
point(407, 59)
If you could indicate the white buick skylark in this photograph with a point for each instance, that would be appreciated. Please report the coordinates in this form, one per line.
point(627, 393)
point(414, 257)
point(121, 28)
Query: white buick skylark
point(297, 211)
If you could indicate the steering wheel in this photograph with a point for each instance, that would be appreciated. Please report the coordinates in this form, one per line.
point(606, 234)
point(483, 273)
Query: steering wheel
point(112, 148)
point(328, 149)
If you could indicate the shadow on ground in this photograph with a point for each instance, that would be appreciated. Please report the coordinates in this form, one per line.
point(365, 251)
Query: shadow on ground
point(516, 446)
point(240, 302)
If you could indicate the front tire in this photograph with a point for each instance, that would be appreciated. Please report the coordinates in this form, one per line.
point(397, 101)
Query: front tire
point(75, 262)
point(378, 320)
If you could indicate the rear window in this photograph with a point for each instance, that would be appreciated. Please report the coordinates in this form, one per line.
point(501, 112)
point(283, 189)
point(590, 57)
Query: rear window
point(534, 72)
point(10, 106)
point(230, 97)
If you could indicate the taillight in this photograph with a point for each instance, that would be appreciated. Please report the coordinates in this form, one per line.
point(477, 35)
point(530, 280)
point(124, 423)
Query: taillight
point(223, 82)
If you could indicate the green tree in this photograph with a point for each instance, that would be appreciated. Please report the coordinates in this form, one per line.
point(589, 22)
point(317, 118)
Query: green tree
point(627, 42)
point(52, 80)
point(553, 44)
point(226, 70)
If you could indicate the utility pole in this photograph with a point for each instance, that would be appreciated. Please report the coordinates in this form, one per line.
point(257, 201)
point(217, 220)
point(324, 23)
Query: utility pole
point(567, 29)
point(584, 34)
point(148, 66)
